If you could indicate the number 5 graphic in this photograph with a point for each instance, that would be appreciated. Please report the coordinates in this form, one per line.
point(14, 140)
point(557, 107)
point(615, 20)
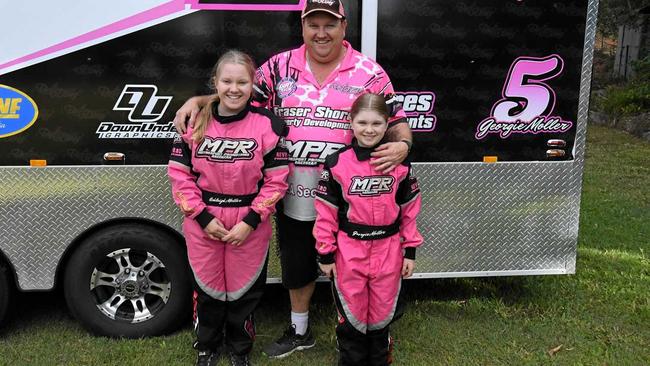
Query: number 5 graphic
point(525, 95)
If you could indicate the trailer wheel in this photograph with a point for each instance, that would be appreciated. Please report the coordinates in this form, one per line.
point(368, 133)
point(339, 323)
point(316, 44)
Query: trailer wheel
point(129, 281)
point(5, 294)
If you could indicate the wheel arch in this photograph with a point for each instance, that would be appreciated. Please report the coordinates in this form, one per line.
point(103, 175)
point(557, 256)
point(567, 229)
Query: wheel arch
point(10, 270)
point(77, 241)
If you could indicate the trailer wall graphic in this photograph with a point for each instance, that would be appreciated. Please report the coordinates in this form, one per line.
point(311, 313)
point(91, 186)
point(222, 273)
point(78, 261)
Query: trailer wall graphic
point(495, 91)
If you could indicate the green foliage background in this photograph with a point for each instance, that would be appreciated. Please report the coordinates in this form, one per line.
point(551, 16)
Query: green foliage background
point(630, 98)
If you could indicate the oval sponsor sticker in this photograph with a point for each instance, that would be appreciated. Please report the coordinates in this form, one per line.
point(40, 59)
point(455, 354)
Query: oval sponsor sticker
point(18, 111)
point(285, 87)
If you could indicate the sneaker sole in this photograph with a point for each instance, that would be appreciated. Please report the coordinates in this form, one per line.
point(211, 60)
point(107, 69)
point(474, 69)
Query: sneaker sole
point(299, 348)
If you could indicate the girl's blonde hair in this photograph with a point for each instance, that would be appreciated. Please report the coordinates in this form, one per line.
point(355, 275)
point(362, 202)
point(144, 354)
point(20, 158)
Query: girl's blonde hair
point(230, 57)
point(370, 101)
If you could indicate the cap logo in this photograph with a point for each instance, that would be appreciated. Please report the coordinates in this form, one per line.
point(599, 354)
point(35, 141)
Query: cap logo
point(334, 7)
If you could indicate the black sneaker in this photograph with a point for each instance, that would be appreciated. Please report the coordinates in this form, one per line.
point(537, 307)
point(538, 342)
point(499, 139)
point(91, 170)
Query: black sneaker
point(207, 358)
point(239, 360)
point(290, 342)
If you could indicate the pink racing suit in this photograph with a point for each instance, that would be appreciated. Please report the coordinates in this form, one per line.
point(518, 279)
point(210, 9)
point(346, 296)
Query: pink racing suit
point(366, 225)
point(237, 173)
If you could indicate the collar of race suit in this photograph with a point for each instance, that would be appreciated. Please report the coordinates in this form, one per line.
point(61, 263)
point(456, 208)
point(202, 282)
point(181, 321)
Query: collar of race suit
point(363, 153)
point(229, 119)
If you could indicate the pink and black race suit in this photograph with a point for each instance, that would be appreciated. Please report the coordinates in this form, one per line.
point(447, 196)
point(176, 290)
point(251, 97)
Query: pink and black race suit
point(366, 225)
point(317, 114)
point(237, 173)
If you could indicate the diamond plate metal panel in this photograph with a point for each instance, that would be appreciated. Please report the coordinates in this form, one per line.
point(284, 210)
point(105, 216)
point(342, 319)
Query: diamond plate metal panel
point(476, 218)
point(43, 209)
point(498, 217)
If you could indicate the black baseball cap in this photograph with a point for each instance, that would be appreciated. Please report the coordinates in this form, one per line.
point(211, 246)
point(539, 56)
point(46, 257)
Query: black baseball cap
point(334, 7)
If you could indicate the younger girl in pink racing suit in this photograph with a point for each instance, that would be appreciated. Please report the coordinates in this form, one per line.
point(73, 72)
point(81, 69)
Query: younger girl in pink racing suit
point(366, 236)
point(227, 173)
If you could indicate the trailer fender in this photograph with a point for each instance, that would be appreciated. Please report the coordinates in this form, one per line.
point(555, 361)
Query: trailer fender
point(6, 292)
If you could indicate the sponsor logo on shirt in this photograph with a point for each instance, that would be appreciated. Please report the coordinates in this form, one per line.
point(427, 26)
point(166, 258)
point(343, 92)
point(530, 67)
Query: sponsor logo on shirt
point(371, 186)
point(310, 153)
point(347, 89)
point(330, 113)
point(226, 149)
point(283, 112)
point(325, 175)
point(285, 87)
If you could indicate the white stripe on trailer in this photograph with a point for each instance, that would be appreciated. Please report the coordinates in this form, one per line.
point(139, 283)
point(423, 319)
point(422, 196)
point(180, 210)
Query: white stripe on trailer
point(73, 25)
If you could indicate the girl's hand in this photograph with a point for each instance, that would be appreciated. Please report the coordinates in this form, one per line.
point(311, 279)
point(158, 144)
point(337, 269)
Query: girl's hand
point(215, 230)
point(238, 234)
point(408, 265)
point(328, 269)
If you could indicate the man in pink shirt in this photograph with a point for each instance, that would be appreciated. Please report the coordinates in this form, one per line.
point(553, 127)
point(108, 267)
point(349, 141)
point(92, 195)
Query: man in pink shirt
point(312, 89)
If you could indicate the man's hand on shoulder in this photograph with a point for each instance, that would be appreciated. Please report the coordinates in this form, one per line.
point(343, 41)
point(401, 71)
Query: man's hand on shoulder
point(186, 114)
point(389, 155)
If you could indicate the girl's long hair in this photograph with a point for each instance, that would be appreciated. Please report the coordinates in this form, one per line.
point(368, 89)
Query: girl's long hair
point(230, 57)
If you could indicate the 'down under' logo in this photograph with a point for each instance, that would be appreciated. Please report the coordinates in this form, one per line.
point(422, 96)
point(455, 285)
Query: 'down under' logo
point(142, 103)
point(145, 107)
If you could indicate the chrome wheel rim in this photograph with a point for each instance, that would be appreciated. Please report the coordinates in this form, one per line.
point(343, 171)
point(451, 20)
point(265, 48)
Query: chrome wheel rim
point(130, 285)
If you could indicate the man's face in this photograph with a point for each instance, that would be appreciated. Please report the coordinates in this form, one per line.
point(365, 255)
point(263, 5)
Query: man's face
point(323, 35)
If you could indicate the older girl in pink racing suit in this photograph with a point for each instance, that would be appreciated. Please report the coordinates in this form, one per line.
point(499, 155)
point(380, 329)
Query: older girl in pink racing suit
point(227, 173)
point(366, 236)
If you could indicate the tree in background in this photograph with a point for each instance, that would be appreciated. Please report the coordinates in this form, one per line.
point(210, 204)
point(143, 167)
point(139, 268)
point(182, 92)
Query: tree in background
point(622, 77)
point(627, 21)
point(615, 13)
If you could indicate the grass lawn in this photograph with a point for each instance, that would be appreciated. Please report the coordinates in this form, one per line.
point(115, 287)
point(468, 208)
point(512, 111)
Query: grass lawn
point(599, 316)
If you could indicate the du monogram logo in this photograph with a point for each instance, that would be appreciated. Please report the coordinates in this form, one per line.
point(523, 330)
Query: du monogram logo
point(145, 107)
point(142, 103)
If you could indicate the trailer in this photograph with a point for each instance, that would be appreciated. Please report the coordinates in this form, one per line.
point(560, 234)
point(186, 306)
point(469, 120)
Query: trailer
point(496, 93)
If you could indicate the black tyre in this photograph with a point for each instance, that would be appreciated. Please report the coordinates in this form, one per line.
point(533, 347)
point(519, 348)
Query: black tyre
point(129, 281)
point(6, 290)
